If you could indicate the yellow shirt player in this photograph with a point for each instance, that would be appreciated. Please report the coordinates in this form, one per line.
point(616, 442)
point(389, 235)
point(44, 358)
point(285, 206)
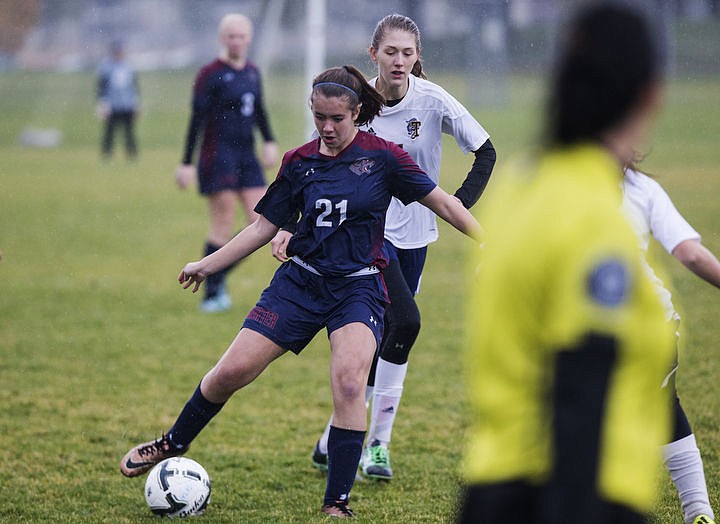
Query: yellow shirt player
point(566, 335)
point(566, 341)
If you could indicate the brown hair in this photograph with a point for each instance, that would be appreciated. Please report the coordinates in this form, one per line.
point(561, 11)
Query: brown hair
point(348, 82)
point(399, 23)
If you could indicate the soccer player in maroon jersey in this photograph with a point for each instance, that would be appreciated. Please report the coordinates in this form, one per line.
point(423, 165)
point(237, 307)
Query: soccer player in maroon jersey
point(341, 185)
point(227, 106)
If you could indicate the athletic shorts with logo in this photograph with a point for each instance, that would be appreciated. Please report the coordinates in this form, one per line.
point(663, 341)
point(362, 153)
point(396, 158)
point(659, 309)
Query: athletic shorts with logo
point(298, 303)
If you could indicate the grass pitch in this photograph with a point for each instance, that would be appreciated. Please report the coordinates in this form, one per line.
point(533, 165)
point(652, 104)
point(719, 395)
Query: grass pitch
point(100, 348)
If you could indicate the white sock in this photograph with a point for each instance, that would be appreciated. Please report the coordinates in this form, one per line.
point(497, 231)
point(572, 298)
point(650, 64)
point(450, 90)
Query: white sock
point(368, 395)
point(683, 462)
point(322, 443)
point(389, 379)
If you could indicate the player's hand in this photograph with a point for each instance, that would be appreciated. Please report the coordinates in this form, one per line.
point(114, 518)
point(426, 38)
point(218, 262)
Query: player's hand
point(269, 155)
point(279, 245)
point(192, 274)
point(185, 175)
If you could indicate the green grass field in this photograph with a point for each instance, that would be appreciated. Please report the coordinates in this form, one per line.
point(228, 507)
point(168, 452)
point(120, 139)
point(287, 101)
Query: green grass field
point(100, 347)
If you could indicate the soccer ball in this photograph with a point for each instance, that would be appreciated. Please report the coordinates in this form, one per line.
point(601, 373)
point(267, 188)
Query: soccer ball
point(177, 487)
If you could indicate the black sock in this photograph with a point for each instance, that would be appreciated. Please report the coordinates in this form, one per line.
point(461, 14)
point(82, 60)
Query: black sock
point(196, 414)
point(214, 282)
point(344, 450)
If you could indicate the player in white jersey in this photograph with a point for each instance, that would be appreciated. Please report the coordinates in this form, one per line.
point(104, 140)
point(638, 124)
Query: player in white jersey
point(416, 123)
point(416, 114)
point(652, 213)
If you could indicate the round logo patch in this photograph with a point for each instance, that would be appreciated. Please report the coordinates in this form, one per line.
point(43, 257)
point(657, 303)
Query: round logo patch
point(608, 283)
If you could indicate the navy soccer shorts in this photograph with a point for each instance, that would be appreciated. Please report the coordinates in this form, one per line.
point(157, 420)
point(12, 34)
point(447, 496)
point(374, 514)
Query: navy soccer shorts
point(297, 304)
point(412, 262)
point(229, 172)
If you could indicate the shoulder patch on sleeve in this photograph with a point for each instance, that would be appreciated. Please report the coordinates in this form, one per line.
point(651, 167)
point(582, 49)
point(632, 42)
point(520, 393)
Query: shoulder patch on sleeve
point(608, 283)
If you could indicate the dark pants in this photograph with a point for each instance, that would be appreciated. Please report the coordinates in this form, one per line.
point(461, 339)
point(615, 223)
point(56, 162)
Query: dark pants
point(126, 120)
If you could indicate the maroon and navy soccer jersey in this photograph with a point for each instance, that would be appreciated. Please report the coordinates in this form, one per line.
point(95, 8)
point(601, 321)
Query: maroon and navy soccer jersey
point(342, 201)
point(227, 104)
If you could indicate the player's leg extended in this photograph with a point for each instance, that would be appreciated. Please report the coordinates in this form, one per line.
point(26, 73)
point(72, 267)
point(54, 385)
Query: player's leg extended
point(248, 355)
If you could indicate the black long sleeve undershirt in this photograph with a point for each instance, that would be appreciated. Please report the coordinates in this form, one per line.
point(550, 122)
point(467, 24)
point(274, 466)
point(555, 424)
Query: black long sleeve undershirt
point(479, 176)
point(191, 137)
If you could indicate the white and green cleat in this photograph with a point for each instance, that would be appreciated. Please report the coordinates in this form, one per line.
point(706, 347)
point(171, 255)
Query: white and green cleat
point(375, 462)
point(703, 519)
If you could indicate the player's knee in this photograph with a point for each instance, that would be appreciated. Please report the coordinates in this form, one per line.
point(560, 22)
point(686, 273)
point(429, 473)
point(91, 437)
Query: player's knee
point(400, 335)
point(223, 381)
point(348, 387)
point(219, 385)
point(409, 327)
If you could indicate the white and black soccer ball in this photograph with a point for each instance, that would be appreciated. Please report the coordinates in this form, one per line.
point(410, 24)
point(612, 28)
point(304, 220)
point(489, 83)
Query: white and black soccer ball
point(177, 487)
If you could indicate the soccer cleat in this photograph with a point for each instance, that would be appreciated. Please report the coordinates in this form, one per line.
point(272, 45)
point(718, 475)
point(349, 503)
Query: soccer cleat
point(143, 457)
point(375, 462)
point(319, 459)
point(339, 509)
point(218, 303)
point(703, 519)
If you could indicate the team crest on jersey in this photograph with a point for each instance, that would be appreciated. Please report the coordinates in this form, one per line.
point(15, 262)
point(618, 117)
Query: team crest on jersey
point(362, 166)
point(413, 128)
point(609, 283)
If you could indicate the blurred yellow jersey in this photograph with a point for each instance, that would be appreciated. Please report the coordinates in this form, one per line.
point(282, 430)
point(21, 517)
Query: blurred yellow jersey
point(560, 262)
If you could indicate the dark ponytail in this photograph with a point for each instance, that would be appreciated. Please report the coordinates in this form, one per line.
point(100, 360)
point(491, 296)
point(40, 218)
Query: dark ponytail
point(607, 63)
point(348, 82)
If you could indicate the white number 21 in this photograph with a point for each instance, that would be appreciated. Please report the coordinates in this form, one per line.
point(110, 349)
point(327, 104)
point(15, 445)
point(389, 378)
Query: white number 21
point(327, 208)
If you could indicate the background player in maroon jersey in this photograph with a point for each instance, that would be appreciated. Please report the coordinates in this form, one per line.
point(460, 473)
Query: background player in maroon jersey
point(227, 105)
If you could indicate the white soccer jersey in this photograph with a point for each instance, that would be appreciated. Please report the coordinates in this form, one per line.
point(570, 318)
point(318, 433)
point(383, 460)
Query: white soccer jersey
point(652, 213)
point(416, 123)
